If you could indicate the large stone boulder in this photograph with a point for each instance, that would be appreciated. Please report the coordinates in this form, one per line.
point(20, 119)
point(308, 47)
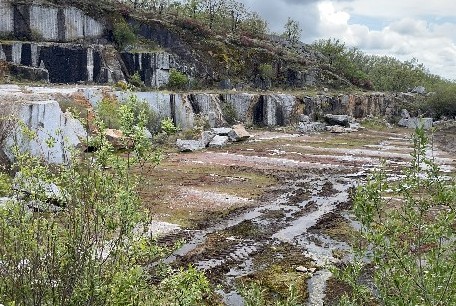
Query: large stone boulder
point(219, 141)
point(342, 120)
point(419, 90)
point(337, 129)
point(405, 114)
point(206, 138)
point(189, 145)
point(238, 133)
point(312, 127)
point(223, 131)
point(414, 122)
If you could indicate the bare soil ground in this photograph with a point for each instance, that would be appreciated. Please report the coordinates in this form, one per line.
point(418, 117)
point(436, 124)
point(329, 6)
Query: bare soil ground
point(263, 209)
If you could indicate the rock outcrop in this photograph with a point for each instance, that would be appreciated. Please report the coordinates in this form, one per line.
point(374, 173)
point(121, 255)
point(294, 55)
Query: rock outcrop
point(56, 132)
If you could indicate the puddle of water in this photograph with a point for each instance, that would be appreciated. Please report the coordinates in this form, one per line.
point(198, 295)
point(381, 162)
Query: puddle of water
point(289, 218)
point(317, 287)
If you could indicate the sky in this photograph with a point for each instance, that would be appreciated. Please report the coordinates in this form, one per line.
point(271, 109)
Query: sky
point(405, 29)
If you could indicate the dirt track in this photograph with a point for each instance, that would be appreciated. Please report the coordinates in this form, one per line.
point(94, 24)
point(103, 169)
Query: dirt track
point(273, 209)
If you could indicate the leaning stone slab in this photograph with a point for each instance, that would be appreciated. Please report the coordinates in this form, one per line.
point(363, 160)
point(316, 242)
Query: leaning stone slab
point(222, 131)
point(219, 141)
point(238, 133)
point(206, 138)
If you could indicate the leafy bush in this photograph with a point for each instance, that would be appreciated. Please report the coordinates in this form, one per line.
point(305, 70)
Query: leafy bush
point(82, 253)
point(5, 184)
point(186, 288)
point(167, 126)
point(123, 34)
point(266, 71)
point(4, 69)
point(177, 80)
point(92, 251)
point(229, 113)
point(8, 120)
point(108, 110)
point(408, 226)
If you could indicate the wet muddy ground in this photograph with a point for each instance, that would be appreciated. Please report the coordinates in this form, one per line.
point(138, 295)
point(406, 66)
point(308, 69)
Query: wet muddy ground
point(274, 209)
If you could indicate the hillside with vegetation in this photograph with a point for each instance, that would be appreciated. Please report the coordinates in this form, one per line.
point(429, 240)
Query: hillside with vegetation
point(221, 44)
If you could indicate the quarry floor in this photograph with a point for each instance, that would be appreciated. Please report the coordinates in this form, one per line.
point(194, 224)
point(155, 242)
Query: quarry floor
point(273, 209)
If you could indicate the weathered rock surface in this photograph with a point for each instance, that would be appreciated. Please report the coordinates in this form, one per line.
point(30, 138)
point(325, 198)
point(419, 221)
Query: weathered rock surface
point(153, 67)
point(49, 23)
point(206, 137)
point(116, 138)
point(223, 131)
point(342, 120)
point(219, 141)
point(336, 129)
point(414, 122)
point(405, 114)
point(312, 127)
point(189, 145)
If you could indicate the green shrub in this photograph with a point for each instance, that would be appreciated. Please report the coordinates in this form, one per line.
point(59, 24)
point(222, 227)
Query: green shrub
point(5, 185)
point(186, 287)
point(229, 113)
point(167, 126)
point(177, 80)
point(87, 253)
point(123, 34)
point(93, 251)
point(135, 80)
point(107, 112)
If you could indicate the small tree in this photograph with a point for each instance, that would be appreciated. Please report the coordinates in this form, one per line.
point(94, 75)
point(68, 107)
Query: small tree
point(123, 34)
point(266, 71)
point(408, 226)
point(292, 30)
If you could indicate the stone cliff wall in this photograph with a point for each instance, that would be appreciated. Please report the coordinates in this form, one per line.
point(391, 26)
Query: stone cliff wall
point(267, 109)
point(47, 23)
point(40, 110)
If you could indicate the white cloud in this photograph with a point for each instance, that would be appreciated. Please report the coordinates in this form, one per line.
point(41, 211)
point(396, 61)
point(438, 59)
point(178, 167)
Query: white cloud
point(404, 38)
point(404, 29)
point(392, 9)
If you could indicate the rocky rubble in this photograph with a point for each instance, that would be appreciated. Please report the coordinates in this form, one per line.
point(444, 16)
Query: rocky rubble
point(333, 124)
point(215, 138)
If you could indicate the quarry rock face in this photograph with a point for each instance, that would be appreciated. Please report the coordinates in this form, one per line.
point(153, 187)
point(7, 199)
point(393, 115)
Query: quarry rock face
point(75, 63)
point(54, 34)
point(153, 67)
point(49, 23)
